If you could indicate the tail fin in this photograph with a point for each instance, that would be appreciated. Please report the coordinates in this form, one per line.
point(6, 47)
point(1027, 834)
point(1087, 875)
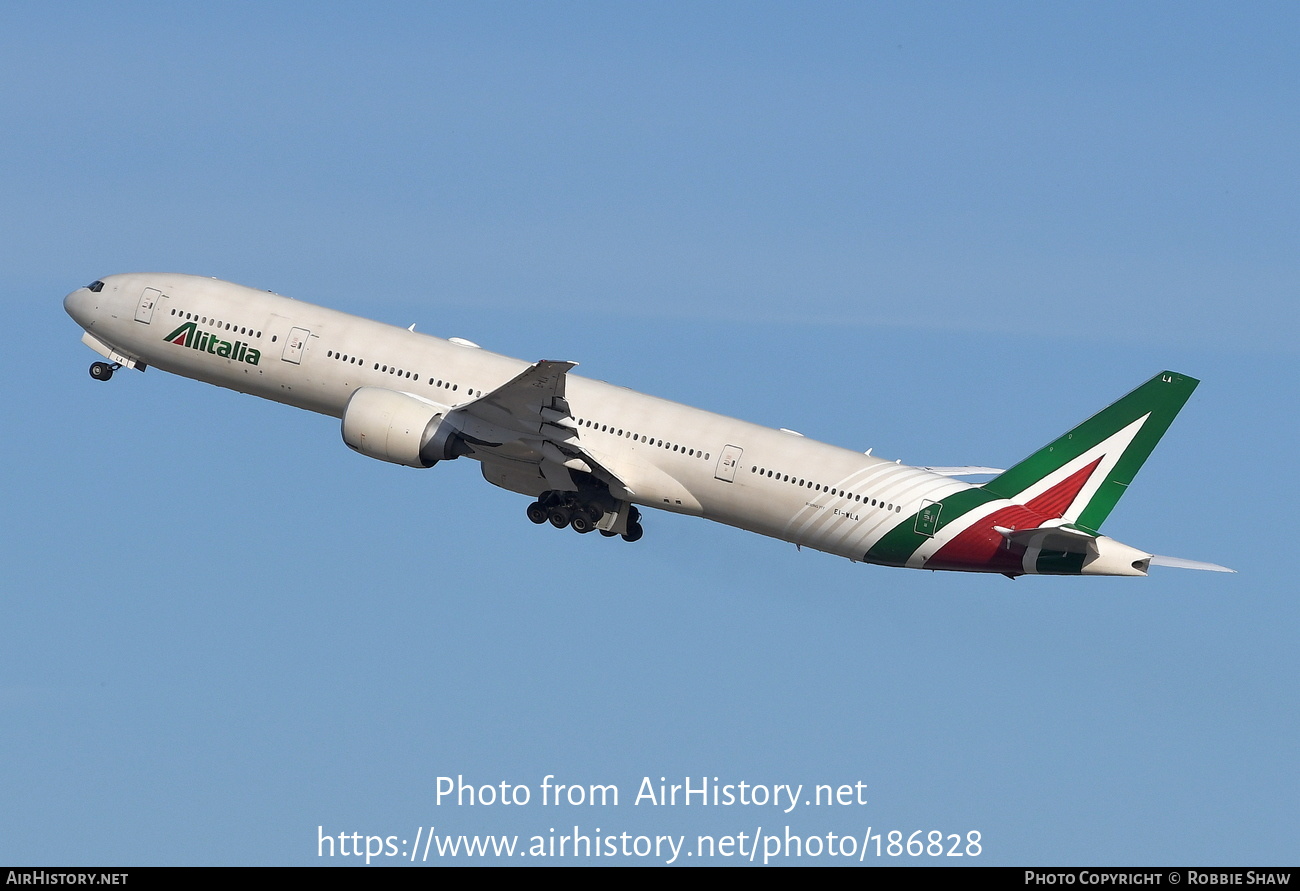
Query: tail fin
point(1081, 475)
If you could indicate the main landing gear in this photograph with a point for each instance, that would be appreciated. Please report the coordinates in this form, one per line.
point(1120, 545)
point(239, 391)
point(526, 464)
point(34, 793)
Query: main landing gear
point(102, 371)
point(562, 509)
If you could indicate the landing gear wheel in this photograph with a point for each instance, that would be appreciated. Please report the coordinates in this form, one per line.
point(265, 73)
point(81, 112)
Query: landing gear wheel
point(582, 522)
point(608, 533)
point(101, 371)
point(559, 517)
point(537, 513)
point(634, 532)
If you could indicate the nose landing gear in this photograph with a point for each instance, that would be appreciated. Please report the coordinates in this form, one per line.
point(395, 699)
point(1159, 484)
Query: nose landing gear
point(102, 371)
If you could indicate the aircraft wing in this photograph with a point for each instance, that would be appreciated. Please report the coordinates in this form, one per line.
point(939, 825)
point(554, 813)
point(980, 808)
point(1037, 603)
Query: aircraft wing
point(524, 404)
point(529, 413)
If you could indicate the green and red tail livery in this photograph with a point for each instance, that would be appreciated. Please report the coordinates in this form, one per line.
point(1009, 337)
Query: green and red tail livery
point(1044, 514)
point(1115, 443)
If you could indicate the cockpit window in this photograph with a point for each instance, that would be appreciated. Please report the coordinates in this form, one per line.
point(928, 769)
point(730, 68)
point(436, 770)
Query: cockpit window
point(96, 286)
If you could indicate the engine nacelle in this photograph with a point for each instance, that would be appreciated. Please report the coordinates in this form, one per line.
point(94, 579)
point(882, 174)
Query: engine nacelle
point(399, 428)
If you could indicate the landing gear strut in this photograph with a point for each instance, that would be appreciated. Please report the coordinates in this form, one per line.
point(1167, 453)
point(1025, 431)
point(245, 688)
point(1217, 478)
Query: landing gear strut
point(102, 371)
point(562, 509)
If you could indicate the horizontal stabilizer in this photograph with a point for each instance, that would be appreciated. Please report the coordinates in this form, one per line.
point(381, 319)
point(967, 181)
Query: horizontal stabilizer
point(1180, 563)
point(1051, 538)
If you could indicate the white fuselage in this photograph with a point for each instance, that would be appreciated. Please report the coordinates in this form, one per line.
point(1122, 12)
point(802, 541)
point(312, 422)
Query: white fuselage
point(665, 455)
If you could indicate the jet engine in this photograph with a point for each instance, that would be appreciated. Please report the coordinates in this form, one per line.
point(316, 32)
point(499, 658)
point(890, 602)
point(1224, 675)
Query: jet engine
point(400, 428)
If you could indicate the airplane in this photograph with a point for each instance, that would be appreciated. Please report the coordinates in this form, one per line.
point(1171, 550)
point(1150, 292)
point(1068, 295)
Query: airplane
point(590, 454)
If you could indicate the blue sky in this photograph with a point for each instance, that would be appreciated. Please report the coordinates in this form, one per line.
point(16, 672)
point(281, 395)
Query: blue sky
point(945, 232)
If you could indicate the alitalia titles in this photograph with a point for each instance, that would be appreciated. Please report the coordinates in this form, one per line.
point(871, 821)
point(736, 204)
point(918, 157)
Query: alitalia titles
point(189, 335)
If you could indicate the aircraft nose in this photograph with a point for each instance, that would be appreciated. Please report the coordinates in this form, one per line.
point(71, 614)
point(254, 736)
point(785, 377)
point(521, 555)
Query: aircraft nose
point(78, 305)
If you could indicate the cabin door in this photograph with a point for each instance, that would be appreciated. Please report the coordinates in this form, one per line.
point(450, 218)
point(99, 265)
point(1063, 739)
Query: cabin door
point(728, 461)
point(927, 520)
point(148, 300)
point(294, 345)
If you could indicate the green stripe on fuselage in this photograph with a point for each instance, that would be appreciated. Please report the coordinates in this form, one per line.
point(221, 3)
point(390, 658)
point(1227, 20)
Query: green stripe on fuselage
point(899, 543)
point(1161, 397)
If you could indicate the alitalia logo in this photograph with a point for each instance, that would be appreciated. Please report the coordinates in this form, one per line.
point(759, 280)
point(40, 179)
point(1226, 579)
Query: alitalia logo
point(189, 335)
